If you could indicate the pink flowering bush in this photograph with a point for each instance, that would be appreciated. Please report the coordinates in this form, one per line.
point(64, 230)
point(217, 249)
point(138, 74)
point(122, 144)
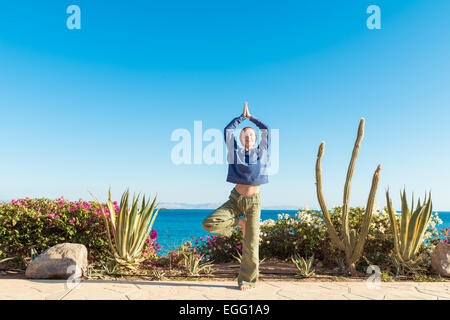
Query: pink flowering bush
point(42, 223)
point(151, 247)
point(442, 236)
point(220, 248)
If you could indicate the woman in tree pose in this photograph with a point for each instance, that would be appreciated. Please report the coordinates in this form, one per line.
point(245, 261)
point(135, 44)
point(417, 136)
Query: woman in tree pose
point(247, 169)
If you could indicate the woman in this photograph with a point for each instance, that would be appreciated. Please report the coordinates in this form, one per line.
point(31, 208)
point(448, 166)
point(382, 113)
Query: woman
point(247, 169)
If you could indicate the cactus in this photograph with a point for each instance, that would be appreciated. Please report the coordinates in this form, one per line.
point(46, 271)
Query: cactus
point(349, 241)
point(409, 232)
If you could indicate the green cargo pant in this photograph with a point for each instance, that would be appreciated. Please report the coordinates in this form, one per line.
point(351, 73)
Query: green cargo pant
point(223, 221)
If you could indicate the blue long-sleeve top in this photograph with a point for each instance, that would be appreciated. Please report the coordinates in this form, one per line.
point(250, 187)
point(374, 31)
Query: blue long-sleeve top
point(248, 167)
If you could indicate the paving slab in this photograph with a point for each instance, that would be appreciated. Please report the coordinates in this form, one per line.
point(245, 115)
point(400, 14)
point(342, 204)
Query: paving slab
point(23, 289)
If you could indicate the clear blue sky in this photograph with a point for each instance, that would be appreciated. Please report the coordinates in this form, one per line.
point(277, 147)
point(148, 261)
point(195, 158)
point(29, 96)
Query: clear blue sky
point(85, 109)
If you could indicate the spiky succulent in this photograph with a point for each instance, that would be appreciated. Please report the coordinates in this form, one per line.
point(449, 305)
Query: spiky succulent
point(409, 231)
point(130, 227)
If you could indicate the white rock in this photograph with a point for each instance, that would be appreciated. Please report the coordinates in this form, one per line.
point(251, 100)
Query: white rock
point(58, 262)
point(440, 259)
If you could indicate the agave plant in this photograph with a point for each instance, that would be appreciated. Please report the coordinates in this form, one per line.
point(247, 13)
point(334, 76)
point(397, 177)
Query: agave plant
point(109, 267)
point(304, 266)
point(193, 265)
point(6, 259)
point(130, 228)
point(410, 230)
point(238, 258)
point(33, 253)
point(158, 274)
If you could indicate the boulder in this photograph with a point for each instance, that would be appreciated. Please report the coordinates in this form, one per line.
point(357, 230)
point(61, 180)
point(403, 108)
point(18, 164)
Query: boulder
point(440, 259)
point(58, 262)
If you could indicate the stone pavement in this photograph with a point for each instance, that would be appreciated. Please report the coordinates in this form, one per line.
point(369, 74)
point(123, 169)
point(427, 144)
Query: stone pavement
point(223, 290)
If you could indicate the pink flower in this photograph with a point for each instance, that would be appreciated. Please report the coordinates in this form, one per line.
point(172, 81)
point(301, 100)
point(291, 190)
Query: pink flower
point(153, 235)
point(72, 221)
point(86, 205)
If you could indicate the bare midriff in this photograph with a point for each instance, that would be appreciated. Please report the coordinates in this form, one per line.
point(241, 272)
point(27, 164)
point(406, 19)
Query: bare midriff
point(246, 190)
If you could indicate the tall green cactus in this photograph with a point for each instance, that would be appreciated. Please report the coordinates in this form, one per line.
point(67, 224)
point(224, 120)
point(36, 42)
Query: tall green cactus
point(350, 241)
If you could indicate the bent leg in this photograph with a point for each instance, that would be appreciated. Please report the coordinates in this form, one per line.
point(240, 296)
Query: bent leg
point(223, 220)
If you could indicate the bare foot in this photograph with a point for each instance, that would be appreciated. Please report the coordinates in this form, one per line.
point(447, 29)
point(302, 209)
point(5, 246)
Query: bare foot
point(244, 288)
point(241, 224)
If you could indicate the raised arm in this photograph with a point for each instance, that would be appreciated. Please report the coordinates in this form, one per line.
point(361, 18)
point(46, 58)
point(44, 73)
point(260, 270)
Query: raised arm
point(229, 130)
point(265, 132)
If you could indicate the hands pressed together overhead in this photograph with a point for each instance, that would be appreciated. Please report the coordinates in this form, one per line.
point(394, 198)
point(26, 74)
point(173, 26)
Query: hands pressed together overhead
point(246, 113)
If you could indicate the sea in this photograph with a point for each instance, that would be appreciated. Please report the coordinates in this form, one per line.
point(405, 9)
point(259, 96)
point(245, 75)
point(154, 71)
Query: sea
point(176, 226)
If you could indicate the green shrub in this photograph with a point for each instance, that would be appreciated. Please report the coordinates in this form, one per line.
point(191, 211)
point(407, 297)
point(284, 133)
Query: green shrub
point(42, 223)
point(220, 248)
point(304, 234)
point(301, 234)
